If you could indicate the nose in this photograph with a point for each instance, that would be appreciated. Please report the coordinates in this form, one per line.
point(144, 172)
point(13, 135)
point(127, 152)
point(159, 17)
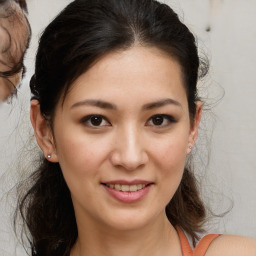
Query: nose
point(129, 151)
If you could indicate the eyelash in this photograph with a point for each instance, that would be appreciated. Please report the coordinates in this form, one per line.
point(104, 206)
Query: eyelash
point(87, 121)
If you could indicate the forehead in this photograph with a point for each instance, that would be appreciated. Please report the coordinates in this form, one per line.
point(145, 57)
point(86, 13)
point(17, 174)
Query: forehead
point(145, 72)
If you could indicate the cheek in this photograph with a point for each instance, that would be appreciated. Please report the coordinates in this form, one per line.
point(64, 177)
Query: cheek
point(171, 164)
point(170, 156)
point(80, 155)
point(79, 162)
point(171, 151)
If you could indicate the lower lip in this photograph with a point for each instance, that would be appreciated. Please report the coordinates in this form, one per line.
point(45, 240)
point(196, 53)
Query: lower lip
point(128, 197)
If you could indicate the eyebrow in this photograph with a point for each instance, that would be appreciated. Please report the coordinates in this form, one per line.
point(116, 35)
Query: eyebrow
point(161, 103)
point(95, 103)
point(107, 105)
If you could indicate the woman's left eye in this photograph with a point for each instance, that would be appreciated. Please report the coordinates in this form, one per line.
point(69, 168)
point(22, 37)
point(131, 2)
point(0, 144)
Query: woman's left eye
point(95, 121)
point(160, 120)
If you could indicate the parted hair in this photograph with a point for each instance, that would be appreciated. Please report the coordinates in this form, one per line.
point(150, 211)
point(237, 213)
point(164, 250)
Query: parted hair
point(82, 33)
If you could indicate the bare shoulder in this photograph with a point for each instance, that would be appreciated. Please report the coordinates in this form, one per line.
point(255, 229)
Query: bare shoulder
point(232, 245)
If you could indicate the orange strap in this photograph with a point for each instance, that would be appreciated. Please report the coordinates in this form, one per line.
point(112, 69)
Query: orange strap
point(200, 249)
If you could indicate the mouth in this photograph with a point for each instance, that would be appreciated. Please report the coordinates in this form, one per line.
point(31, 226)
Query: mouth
point(128, 192)
point(127, 188)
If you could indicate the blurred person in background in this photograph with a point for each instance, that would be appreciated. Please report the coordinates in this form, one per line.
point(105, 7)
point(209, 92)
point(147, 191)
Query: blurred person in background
point(14, 40)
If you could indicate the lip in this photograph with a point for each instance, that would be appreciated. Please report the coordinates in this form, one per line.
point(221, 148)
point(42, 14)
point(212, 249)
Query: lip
point(125, 182)
point(128, 197)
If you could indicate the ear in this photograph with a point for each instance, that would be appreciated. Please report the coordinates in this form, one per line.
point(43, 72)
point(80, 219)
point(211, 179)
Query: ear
point(43, 132)
point(194, 126)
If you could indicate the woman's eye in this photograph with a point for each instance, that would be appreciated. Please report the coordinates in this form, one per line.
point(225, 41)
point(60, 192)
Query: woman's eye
point(95, 121)
point(160, 120)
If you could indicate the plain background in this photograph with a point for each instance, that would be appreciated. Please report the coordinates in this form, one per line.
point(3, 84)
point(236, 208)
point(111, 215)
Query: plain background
point(229, 89)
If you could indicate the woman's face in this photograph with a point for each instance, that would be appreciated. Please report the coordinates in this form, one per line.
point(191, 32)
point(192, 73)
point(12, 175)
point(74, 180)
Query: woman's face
point(122, 136)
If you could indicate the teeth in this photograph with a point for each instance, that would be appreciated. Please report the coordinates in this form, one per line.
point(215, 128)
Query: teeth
point(117, 187)
point(133, 188)
point(127, 188)
point(140, 186)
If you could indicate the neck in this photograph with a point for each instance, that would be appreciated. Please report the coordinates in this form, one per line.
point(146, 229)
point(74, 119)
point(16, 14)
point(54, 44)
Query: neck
point(158, 238)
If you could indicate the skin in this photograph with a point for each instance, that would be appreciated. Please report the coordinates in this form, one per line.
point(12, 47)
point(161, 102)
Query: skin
point(16, 28)
point(126, 145)
point(7, 86)
point(231, 245)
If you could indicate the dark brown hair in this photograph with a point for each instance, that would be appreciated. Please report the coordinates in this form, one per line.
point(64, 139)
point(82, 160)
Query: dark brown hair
point(82, 33)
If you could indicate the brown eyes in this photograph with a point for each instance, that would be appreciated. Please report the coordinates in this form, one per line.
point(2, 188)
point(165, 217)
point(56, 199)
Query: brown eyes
point(161, 120)
point(96, 121)
point(158, 120)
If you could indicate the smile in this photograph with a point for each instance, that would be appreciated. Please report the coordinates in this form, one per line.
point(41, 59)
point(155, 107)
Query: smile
point(128, 191)
point(126, 188)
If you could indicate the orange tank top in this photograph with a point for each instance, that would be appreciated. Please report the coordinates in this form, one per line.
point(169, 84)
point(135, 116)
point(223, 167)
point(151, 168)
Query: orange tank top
point(200, 249)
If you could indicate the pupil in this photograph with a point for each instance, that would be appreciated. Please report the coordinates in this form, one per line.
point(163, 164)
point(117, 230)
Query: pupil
point(96, 120)
point(158, 120)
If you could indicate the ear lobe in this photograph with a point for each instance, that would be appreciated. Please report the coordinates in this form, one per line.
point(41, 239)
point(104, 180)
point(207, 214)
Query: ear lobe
point(194, 127)
point(42, 132)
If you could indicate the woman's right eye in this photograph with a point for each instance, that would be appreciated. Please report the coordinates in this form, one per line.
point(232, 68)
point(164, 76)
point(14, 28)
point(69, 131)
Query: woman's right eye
point(95, 121)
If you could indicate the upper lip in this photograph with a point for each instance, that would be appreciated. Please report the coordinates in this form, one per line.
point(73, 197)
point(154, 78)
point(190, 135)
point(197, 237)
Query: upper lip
point(125, 182)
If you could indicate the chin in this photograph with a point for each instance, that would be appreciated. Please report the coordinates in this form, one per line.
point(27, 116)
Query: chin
point(128, 225)
point(129, 221)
